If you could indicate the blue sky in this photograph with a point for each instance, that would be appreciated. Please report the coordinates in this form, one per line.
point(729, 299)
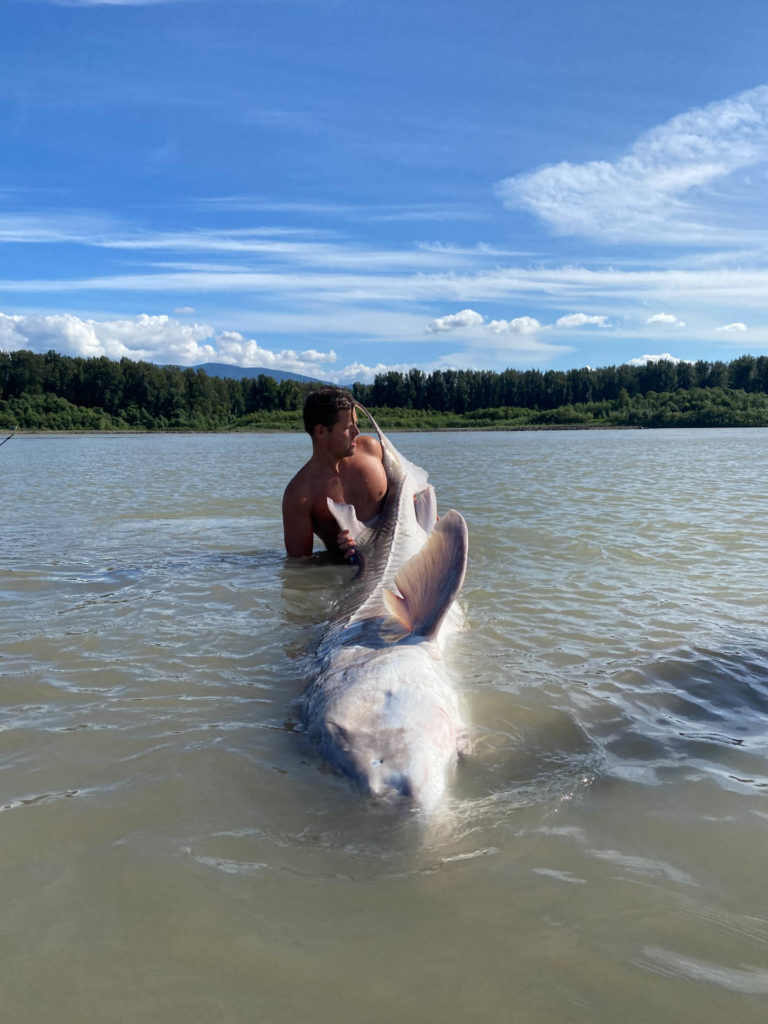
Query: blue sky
point(339, 187)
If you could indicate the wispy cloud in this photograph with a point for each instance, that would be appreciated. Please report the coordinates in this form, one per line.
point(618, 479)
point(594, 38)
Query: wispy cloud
point(360, 212)
point(328, 284)
point(297, 245)
point(318, 284)
point(107, 3)
point(658, 191)
point(43, 228)
point(314, 261)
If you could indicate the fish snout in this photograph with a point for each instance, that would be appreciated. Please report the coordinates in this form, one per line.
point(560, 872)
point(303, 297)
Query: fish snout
point(422, 781)
point(389, 784)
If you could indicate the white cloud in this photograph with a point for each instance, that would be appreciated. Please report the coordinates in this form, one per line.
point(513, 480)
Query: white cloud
point(580, 319)
point(667, 319)
point(184, 310)
point(365, 374)
point(454, 321)
point(143, 337)
point(158, 339)
point(520, 325)
point(658, 190)
point(732, 328)
point(233, 348)
point(664, 357)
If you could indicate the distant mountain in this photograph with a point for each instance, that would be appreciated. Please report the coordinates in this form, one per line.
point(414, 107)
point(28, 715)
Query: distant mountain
point(240, 372)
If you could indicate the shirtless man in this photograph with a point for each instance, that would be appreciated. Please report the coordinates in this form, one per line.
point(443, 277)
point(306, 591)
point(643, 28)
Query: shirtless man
point(345, 465)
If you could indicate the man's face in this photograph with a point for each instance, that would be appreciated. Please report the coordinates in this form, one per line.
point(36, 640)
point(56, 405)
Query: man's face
point(341, 436)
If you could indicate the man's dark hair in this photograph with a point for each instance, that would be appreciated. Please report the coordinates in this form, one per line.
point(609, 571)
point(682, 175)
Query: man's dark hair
point(324, 405)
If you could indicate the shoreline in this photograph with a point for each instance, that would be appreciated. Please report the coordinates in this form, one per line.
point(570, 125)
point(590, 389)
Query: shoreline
point(534, 428)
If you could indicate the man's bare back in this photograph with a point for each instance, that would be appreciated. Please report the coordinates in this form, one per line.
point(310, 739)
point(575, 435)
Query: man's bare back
point(345, 466)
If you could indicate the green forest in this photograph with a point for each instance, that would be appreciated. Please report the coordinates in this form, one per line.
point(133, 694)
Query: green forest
point(57, 392)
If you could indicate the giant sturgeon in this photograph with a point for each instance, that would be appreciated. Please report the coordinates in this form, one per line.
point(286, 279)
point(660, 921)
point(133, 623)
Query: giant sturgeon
point(382, 708)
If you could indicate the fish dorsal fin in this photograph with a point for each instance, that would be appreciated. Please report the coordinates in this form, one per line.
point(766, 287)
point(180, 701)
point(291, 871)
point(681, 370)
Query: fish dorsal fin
point(425, 504)
point(431, 580)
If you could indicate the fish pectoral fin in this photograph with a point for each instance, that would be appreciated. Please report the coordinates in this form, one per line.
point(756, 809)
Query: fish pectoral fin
point(430, 581)
point(345, 516)
point(346, 519)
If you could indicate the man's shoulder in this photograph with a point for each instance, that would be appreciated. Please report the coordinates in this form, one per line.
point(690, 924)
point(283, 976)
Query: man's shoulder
point(369, 445)
point(300, 485)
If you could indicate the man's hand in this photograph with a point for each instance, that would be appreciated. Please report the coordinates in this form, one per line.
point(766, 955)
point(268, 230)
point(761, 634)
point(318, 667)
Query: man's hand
point(346, 545)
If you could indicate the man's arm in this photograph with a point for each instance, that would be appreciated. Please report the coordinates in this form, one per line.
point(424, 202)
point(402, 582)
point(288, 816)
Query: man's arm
point(297, 523)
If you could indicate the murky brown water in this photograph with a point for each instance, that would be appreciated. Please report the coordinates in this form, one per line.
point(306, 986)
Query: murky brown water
point(171, 852)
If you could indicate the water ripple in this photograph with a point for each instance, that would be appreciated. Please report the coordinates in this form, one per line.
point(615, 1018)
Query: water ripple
point(606, 835)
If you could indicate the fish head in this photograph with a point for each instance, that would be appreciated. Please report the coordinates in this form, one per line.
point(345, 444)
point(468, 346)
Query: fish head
point(400, 730)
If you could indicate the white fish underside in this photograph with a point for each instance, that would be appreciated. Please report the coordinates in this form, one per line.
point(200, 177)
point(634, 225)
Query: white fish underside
point(382, 707)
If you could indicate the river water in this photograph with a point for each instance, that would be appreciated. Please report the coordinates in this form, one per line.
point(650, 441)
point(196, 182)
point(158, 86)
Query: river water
point(172, 850)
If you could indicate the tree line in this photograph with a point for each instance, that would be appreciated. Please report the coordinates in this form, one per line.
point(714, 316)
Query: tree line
point(462, 391)
point(57, 392)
